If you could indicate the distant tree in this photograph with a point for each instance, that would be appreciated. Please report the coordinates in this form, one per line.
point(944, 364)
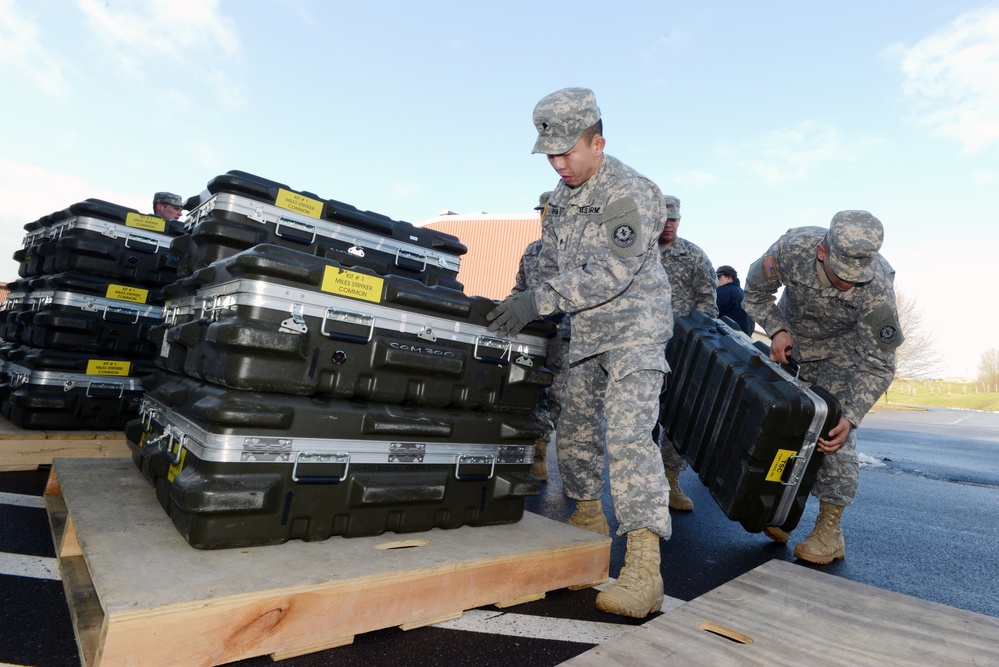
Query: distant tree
point(916, 357)
point(988, 368)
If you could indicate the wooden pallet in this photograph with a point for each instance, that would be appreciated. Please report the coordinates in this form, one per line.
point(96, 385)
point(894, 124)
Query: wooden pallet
point(26, 449)
point(140, 595)
point(786, 614)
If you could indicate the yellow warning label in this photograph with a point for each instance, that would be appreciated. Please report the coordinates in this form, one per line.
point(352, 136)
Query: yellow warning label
point(108, 367)
point(354, 285)
point(126, 293)
point(153, 223)
point(776, 472)
point(299, 203)
point(175, 468)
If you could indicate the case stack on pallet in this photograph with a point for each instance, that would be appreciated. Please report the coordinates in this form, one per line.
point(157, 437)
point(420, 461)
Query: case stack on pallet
point(76, 323)
point(324, 374)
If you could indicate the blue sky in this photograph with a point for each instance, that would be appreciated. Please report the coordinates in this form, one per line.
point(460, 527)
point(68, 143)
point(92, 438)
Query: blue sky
point(758, 116)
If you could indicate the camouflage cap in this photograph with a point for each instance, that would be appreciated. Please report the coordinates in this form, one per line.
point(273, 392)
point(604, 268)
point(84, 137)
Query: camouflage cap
point(167, 198)
point(854, 239)
point(562, 117)
point(672, 205)
point(543, 200)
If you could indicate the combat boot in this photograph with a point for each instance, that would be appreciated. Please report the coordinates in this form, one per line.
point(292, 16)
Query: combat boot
point(776, 534)
point(540, 466)
point(678, 500)
point(825, 544)
point(589, 515)
point(638, 590)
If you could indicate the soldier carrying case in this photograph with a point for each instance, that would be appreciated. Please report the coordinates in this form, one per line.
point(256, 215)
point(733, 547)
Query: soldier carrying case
point(235, 468)
point(274, 319)
point(745, 424)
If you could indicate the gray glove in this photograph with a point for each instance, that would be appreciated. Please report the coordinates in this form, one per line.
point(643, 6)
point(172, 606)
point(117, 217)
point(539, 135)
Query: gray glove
point(511, 316)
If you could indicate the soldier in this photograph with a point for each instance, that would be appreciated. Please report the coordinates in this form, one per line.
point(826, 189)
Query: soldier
point(599, 265)
point(168, 205)
point(692, 279)
point(838, 316)
point(550, 401)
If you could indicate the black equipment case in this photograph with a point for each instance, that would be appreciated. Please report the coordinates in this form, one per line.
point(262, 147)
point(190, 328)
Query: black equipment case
point(85, 313)
point(11, 310)
point(274, 319)
point(57, 389)
point(745, 424)
point(235, 468)
point(105, 239)
point(240, 210)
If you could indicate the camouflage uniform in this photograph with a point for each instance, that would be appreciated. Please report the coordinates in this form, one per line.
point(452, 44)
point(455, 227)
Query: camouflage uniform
point(693, 281)
point(845, 341)
point(599, 257)
point(550, 401)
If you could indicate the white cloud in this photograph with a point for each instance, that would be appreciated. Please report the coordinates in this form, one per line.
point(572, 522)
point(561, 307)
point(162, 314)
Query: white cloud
point(952, 74)
point(188, 36)
point(24, 56)
point(793, 154)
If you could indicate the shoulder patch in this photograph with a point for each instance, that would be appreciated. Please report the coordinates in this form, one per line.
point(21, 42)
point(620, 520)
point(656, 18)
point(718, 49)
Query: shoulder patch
point(770, 267)
point(623, 225)
point(883, 321)
point(624, 235)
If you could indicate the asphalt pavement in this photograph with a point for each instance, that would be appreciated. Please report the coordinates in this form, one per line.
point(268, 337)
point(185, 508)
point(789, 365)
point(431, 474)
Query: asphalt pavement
point(925, 524)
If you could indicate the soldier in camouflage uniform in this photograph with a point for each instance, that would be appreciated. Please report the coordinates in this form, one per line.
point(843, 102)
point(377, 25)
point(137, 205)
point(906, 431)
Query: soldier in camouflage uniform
point(599, 265)
point(550, 400)
point(838, 316)
point(693, 281)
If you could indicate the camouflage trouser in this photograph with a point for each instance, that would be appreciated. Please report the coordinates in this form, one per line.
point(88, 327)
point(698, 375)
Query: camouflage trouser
point(671, 458)
point(838, 477)
point(549, 407)
point(839, 474)
point(615, 395)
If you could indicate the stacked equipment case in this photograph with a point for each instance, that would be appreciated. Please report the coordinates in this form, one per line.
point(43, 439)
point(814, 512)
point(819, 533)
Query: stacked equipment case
point(78, 319)
point(747, 426)
point(323, 373)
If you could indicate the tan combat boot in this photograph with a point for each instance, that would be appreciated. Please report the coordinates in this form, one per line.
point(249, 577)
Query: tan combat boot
point(678, 500)
point(776, 534)
point(540, 466)
point(589, 515)
point(638, 590)
point(825, 544)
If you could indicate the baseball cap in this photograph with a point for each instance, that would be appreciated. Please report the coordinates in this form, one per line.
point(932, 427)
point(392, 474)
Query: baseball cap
point(854, 239)
point(543, 200)
point(672, 207)
point(167, 198)
point(561, 118)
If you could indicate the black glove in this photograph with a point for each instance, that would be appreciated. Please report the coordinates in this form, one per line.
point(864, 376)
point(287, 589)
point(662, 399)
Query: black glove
point(511, 316)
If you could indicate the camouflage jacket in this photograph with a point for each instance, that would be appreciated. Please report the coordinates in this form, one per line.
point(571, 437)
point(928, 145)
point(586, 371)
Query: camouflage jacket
point(855, 332)
point(600, 264)
point(691, 277)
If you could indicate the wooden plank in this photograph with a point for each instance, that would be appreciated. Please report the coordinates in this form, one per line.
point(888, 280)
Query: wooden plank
point(26, 449)
point(155, 588)
point(786, 614)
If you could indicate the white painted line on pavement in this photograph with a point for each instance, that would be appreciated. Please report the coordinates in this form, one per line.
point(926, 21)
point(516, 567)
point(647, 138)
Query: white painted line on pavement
point(21, 500)
point(36, 567)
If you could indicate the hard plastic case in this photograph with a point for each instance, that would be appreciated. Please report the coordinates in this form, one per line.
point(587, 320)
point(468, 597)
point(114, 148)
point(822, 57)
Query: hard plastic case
point(746, 425)
point(236, 469)
point(85, 313)
point(55, 389)
point(273, 319)
point(240, 210)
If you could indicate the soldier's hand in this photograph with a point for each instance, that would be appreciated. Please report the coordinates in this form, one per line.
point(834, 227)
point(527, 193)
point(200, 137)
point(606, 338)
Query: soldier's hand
point(780, 347)
point(837, 436)
point(510, 317)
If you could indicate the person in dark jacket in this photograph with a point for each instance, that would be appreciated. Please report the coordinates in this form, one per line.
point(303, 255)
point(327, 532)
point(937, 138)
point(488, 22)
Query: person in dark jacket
point(730, 297)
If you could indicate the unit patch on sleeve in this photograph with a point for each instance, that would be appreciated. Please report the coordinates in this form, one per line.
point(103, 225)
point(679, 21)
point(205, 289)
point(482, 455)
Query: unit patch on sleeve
point(624, 236)
point(770, 266)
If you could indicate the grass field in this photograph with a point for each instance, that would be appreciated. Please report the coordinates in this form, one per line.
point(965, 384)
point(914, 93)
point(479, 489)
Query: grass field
point(941, 394)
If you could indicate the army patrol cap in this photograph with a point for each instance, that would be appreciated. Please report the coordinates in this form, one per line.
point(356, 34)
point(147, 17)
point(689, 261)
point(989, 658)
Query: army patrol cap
point(672, 207)
point(562, 117)
point(854, 239)
point(167, 198)
point(543, 200)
